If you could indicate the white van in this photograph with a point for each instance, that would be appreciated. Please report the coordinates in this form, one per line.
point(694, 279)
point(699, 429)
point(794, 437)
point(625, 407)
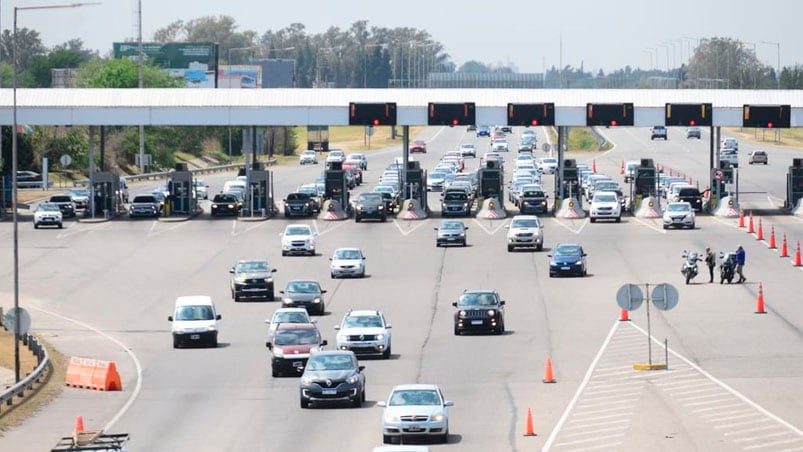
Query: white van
point(729, 143)
point(195, 321)
point(238, 185)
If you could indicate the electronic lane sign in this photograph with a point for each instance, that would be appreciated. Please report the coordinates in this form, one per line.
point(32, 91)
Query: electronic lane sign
point(372, 114)
point(767, 116)
point(531, 114)
point(462, 114)
point(609, 114)
point(689, 115)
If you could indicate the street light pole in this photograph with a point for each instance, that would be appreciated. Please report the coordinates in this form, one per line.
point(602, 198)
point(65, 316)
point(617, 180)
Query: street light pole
point(14, 168)
point(778, 47)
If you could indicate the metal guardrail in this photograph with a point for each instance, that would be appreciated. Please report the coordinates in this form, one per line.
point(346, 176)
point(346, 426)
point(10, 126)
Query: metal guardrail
point(164, 174)
point(601, 140)
point(18, 390)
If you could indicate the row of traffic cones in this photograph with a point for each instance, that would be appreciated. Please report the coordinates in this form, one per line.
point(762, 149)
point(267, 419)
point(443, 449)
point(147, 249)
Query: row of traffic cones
point(771, 243)
point(549, 377)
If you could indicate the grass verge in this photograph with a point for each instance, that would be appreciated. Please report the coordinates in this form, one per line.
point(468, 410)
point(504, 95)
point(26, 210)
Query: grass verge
point(46, 390)
point(777, 137)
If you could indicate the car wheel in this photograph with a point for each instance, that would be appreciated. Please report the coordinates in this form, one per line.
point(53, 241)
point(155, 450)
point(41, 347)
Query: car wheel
point(692, 226)
point(666, 227)
point(271, 296)
point(509, 248)
point(540, 247)
point(356, 219)
point(35, 226)
point(236, 296)
point(585, 272)
point(387, 439)
point(464, 243)
point(618, 219)
point(333, 275)
point(321, 309)
point(356, 403)
point(386, 353)
point(176, 343)
point(456, 331)
point(304, 403)
point(445, 437)
point(274, 372)
point(362, 397)
point(384, 219)
point(213, 343)
point(593, 220)
point(437, 245)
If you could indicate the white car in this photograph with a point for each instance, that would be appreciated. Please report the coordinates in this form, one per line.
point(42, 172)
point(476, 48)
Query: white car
point(347, 262)
point(606, 205)
point(547, 165)
point(467, 149)
point(679, 214)
point(423, 403)
point(336, 156)
point(525, 231)
point(729, 155)
point(287, 315)
point(47, 214)
point(308, 156)
point(201, 189)
point(299, 239)
point(729, 143)
point(195, 321)
point(365, 333)
point(500, 146)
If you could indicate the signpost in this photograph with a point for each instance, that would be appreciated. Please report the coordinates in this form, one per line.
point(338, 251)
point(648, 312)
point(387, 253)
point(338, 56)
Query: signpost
point(663, 296)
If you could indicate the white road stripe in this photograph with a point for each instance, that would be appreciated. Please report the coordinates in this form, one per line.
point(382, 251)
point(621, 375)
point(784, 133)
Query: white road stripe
point(607, 446)
point(702, 410)
point(576, 425)
point(651, 226)
point(739, 424)
point(760, 437)
point(761, 446)
point(581, 441)
point(583, 412)
point(728, 413)
point(409, 230)
point(730, 418)
point(708, 402)
point(750, 430)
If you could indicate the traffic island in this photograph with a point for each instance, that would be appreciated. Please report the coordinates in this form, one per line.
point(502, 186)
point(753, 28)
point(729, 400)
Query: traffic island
point(649, 208)
point(492, 209)
point(333, 211)
point(411, 210)
point(570, 208)
point(798, 210)
point(727, 207)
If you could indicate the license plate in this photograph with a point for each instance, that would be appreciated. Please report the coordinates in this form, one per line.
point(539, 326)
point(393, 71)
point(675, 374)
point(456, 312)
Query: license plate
point(565, 268)
point(195, 336)
point(329, 391)
point(297, 363)
point(414, 428)
point(476, 322)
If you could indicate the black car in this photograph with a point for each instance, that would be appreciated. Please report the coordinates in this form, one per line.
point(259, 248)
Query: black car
point(455, 202)
point(332, 376)
point(252, 279)
point(225, 204)
point(299, 204)
point(479, 310)
point(304, 294)
point(65, 203)
point(532, 200)
point(567, 259)
point(370, 205)
point(692, 196)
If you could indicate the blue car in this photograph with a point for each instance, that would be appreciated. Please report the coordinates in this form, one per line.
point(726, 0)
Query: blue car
point(567, 259)
point(483, 131)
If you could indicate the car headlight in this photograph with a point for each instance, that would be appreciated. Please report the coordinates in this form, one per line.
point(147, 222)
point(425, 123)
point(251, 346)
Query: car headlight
point(491, 312)
point(181, 330)
point(269, 280)
point(380, 337)
point(437, 417)
point(240, 279)
point(465, 205)
point(381, 207)
point(287, 300)
point(352, 379)
point(317, 300)
point(211, 328)
point(462, 234)
point(342, 338)
point(307, 380)
point(359, 207)
point(278, 352)
point(214, 206)
point(579, 262)
point(462, 313)
point(391, 418)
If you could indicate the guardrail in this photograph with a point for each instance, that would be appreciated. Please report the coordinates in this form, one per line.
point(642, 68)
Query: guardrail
point(18, 390)
point(601, 140)
point(165, 174)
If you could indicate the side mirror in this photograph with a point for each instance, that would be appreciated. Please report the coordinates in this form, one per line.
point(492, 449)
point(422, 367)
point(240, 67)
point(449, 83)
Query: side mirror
point(330, 258)
point(507, 226)
point(267, 321)
point(584, 254)
point(281, 292)
point(389, 326)
point(381, 403)
point(231, 270)
point(361, 368)
point(448, 403)
point(502, 303)
point(454, 303)
point(273, 270)
point(323, 291)
point(324, 343)
point(466, 228)
point(170, 318)
point(337, 327)
point(269, 345)
point(218, 317)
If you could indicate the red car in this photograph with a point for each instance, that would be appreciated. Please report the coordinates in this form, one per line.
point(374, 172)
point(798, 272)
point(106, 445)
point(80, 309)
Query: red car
point(417, 146)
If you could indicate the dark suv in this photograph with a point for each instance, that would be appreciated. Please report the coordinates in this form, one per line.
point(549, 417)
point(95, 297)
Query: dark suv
point(370, 205)
point(65, 203)
point(455, 202)
point(299, 204)
point(291, 346)
point(532, 199)
point(332, 376)
point(479, 310)
point(692, 196)
point(252, 279)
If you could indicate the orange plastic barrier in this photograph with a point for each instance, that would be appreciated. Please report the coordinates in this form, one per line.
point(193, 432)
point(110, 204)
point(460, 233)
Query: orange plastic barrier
point(93, 374)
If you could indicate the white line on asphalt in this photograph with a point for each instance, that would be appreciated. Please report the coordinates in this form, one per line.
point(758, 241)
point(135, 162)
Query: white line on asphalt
point(126, 349)
point(248, 229)
point(409, 230)
point(74, 230)
point(695, 391)
point(742, 410)
point(626, 389)
point(588, 432)
point(583, 404)
point(234, 227)
point(750, 430)
point(760, 437)
point(152, 233)
point(653, 227)
point(583, 412)
point(487, 230)
point(570, 229)
point(707, 402)
point(761, 446)
point(330, 229)
point(607, 446)
point(730, 418)
point(581, 441)
point(576, 425)
point(702, 410)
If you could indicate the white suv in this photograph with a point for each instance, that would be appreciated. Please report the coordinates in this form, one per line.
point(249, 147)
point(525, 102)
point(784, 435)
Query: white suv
point(364, 333)
point(299, 239)
point(606, 205)
point(525, 231)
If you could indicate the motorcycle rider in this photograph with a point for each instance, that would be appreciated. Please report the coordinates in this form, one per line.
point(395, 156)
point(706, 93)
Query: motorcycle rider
point(740, 258)
point(711, 262)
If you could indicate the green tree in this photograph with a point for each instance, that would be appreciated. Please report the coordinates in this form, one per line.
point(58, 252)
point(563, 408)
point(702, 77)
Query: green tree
point(726, 63)
point(29, 44)
point(66, 56)
point(98, 73)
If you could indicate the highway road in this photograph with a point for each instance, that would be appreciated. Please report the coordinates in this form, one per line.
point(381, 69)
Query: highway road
point(105, 290)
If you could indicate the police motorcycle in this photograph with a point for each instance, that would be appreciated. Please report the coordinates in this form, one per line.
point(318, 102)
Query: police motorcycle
point(727, 269)
point(689, 268)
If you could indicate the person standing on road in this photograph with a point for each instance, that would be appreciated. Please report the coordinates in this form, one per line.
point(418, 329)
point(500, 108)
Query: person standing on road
point(711, 262)
point(740, 258)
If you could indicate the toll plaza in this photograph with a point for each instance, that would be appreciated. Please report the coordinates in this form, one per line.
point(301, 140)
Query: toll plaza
point(104, 197)
point(570, 182)
point(336, 187)
point(416, 188)
point(492, 181)
point(259, 192)
point(181, 199)
point(644, 183)
point(794, 185)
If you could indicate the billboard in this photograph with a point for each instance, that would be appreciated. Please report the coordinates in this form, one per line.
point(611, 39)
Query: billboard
point(240, 76)
point(195, 62)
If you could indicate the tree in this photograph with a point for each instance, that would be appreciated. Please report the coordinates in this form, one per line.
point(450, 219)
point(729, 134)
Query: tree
point(66, 56)
point(474, 66)
point(726, 63)
point(28, 45)
point(123, 73)
point(792, 77)
point(219, 29)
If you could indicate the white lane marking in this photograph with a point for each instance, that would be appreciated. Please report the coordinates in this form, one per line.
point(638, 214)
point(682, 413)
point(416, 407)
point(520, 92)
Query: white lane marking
point(742, 410)
point(248, 229)
point(730, 418)
point(554, 433)
point(409, 230)
point(490, 231)
point(570, 229)
point(758, 438)
point(604, 446)
point(739, 424)
point(749, 430)
point(650, 225)
point(126, 349)
point(74, 230)
point(776, 443)
point(152, 233)
point(595, 424)
point(596, 438)
point(720, 407)
point(329, 229)
point(315, 226)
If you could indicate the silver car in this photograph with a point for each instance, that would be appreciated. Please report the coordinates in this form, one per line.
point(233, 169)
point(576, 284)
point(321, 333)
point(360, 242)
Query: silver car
point(415, 410)
point(678, 214)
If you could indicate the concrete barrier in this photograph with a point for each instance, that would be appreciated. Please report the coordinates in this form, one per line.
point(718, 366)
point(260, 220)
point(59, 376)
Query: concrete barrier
point(727, 207)
point(332, 211)
point(411, 210)
point(798, 209)
point(649, 208)
point(492, 209)
point(570, 208)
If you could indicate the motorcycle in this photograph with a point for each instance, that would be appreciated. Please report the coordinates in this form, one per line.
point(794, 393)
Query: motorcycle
point(727, 269)
point(689, 268)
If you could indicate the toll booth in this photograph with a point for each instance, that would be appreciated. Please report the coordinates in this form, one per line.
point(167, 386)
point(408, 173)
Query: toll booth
point(180, 188)
point(336, 186)
point(259, 194)
point(645, 182)
point(492, 183)
point(105, 187)
point(724, 185)
point(794, 183)
point(416, 184)
point(571, 181)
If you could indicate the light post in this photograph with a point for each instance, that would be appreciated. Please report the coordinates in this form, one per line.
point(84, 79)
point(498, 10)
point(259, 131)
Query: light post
point(650, 50)
point(778, 47)
point(317, 68)
point(14, 167)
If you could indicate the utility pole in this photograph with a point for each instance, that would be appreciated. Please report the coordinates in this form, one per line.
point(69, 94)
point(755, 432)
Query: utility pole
point(140, 70)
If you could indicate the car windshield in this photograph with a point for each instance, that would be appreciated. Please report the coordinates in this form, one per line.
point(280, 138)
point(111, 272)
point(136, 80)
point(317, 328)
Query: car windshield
point(437, 175)
point(451, 225)
point(415, 397)
point(79, 192)
point(467, 146)
point(252, 266)
point(533, 194)
point(60, 199)
point(308, 153)
point(678, 208)
point(296, 337)
point(347, 254)
point(298, 230)
point(477, 299)
point(370, 197)
point(290, 317)
point(567, 250)
point(222, 198)
point(524, 223)
point(330, 362)
point(48, 207)
point(383, 189)
point(303, 287)
point(145, 199)
point(451, 196)
point(298, 196)
point(362, 321)
point(195, 313)
point(605, 198)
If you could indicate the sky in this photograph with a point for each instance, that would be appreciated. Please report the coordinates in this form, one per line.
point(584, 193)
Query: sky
point(532, 35)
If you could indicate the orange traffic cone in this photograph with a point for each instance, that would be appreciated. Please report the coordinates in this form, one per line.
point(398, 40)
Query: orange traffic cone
point(79, 424)
point(750, 228)
point(548, 377)
point(594, 165)
point(760, 300)
point(529, 429)
point(741, 217)
point(760, 233)
point(622, 169)
point(772, 238)
point(797, 255)
point(784, 249)
point(624, 316)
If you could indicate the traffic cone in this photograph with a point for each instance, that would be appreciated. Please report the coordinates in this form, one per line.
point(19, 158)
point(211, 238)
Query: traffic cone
point(624, 316)
point(529, 429)
point(797, 255)
point(772, 237)
point(548, 377)
point(750, 228)
point(760, 300)
point(741, 217)
point(760, 233)
point(622, 169)
point(79, 424)
point(594, 165)
point(784, 249)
